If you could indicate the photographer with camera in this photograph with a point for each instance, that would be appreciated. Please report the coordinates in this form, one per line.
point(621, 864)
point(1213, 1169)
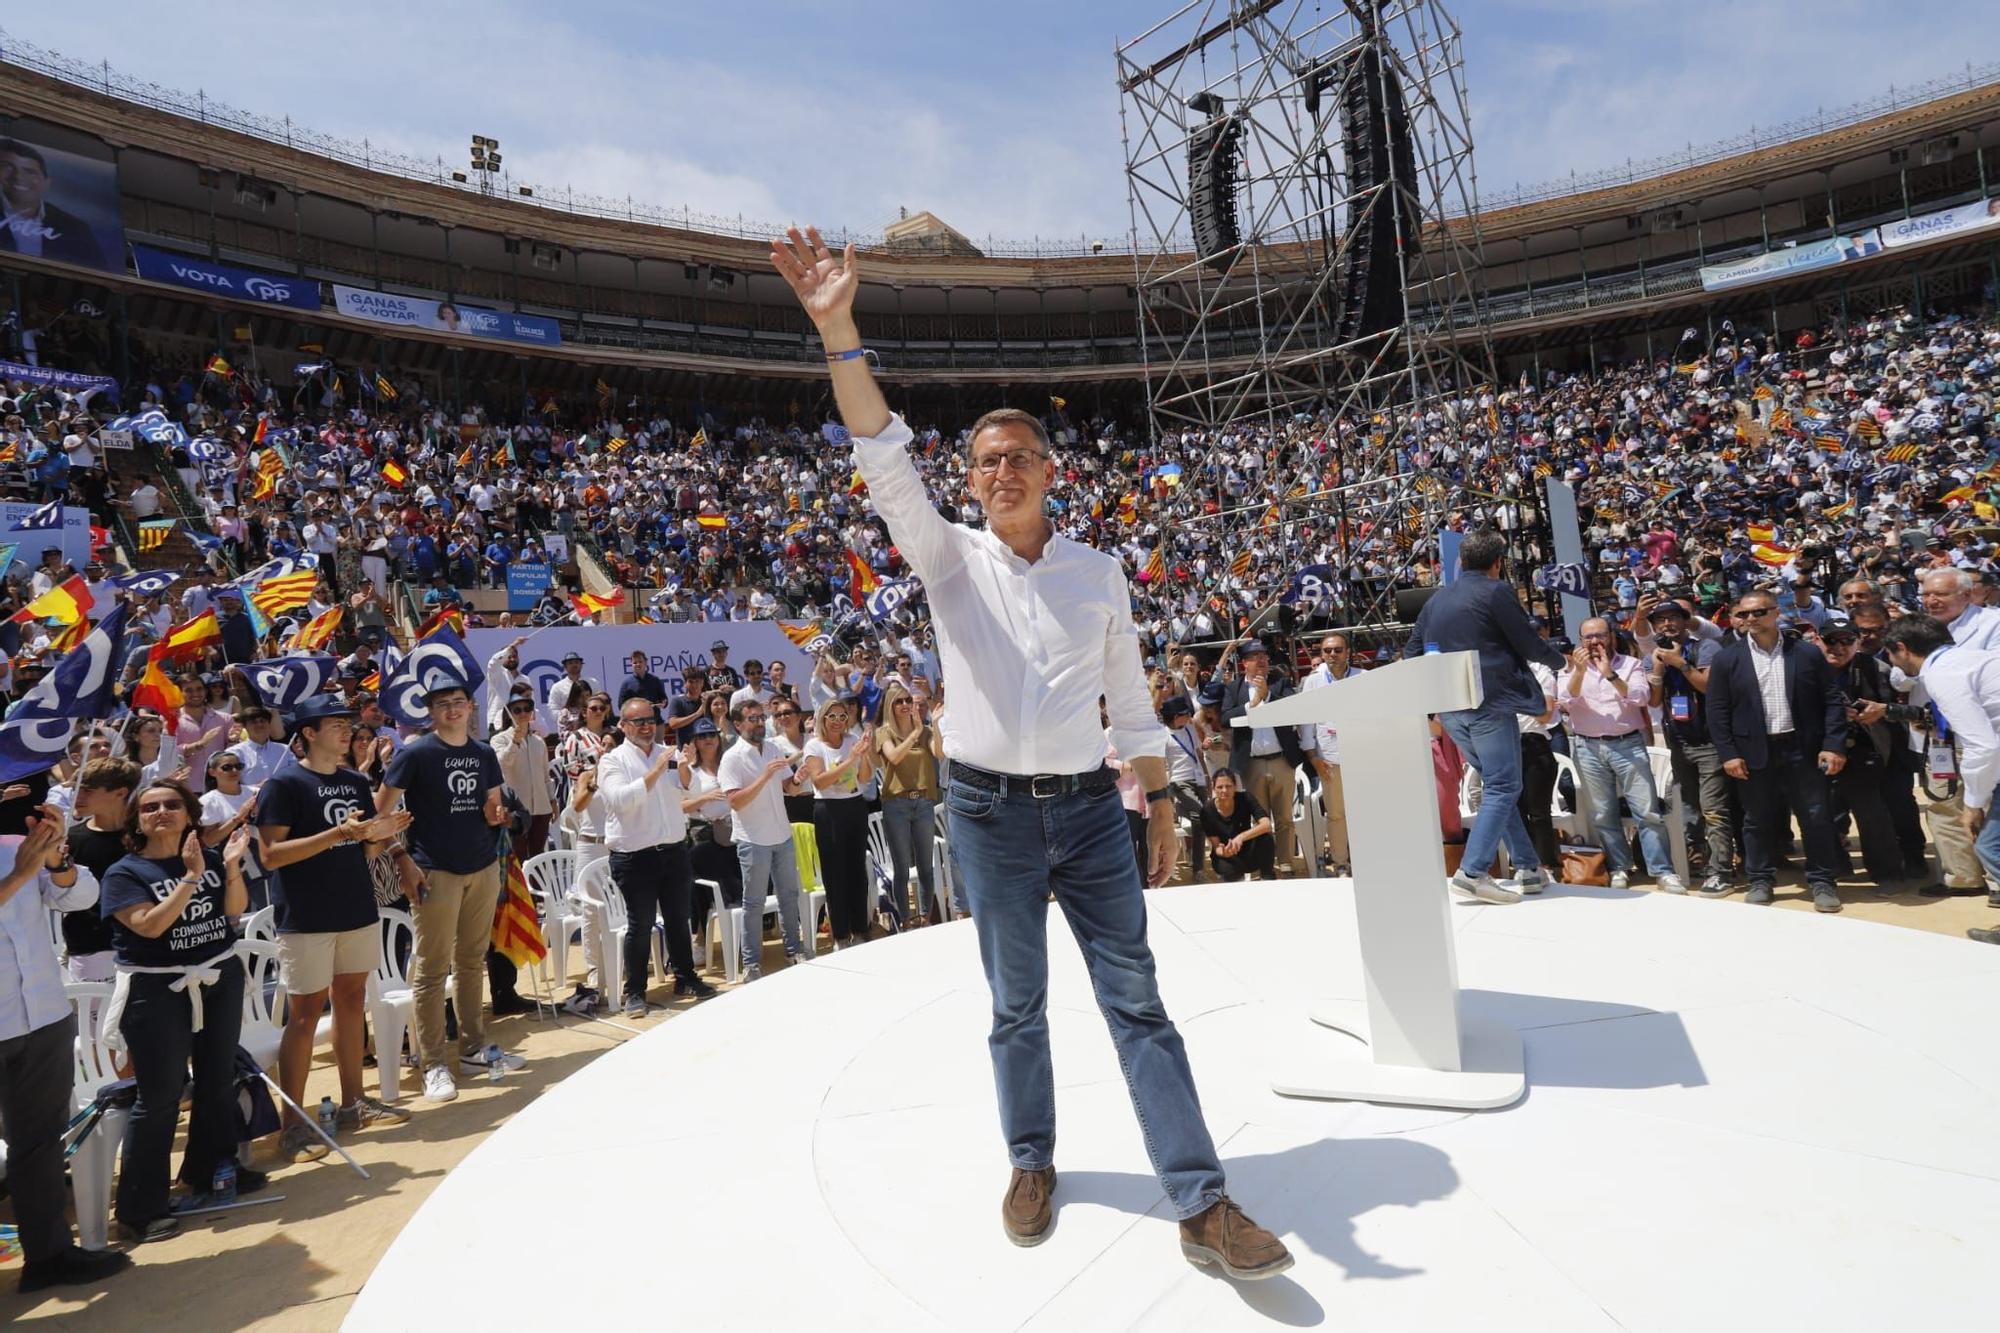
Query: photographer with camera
point(1680, 679)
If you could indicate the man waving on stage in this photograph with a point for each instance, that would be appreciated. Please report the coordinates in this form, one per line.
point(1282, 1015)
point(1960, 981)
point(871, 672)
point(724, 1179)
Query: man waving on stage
point(1034, 629)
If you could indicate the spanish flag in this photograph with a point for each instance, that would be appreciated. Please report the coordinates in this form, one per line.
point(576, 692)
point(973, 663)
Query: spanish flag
point(445, 617)
point(393, 473)
point(217, 366)
point(189, 641)
point(587, 604)
point(712, 521)
point(517, 931)
point(66, 602)
point(1058, 403)
point(317, 632)
point(1775, 556)
point(855, 485)
point(1949, 497)
point(861, 580)
point(153, 532)
point(263, 427)
point(157, 692)
point(1761, 532)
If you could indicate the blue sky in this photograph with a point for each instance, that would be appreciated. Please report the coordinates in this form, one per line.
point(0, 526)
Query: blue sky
point(1001, 118)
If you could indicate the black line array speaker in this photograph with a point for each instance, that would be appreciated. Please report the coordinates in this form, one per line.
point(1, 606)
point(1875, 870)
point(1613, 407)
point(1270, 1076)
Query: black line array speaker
point(1212, 181)
point(1375, 138)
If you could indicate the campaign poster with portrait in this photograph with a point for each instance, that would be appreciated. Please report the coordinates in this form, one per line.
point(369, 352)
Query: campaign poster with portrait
point(59, 196)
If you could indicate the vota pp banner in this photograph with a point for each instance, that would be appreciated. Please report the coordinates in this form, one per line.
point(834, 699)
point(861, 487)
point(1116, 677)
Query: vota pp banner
point(607, 651)
point(205, 275)
point(426, 312)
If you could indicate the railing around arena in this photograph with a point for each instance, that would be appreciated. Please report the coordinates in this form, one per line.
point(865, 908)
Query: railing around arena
point(102, 78)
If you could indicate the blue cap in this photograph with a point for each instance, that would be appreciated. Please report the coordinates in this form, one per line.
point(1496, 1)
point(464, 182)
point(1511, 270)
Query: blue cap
point(703, 726)
point(322, 706)
point(1251, 647)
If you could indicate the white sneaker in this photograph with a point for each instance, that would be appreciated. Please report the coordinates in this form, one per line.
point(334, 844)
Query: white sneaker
point(1620, 880)
point(1483, 888)
point(1670, 883)
point(1529, 882)
point(439, 1085)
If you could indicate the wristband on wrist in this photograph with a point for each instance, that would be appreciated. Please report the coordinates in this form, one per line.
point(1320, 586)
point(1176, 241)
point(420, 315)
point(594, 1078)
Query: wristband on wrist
point(1159, 794)
point(850, 354)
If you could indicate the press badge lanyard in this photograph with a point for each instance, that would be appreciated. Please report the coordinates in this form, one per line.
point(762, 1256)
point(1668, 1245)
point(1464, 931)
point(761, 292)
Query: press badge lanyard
point(1941, 755)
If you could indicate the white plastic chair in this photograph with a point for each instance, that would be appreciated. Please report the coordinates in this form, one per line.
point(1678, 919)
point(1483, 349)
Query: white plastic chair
point(392, 1000)
point(594, 886)
point(1309, 824)
point(551, 879)
point(261, 924)
point(1572, 825)
point(263, 1018)
point(882, 867)
point(96, 1064)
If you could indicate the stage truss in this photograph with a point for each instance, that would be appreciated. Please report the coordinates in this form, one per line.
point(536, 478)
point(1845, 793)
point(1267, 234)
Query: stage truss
point(1246, 342)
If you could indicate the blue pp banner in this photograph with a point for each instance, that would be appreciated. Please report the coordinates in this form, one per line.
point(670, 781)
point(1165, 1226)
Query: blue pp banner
point(525, 584)
point(424, 312)
point(1448, 544)
point(55, 379)
point(205, 275)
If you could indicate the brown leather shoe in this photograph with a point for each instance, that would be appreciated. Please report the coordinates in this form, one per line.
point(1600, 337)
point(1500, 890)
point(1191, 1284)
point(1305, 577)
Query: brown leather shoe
point(1223, 1235)
point(1028, 1210)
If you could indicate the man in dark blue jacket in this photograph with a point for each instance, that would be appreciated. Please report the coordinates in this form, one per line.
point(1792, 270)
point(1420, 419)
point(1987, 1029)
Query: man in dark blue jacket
point(1480, 613)
point(1779, 722)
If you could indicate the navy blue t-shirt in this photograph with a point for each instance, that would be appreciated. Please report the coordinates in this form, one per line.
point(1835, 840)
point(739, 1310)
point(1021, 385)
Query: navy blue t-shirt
point(331, 891)
point(445, 788)
point(203, 931)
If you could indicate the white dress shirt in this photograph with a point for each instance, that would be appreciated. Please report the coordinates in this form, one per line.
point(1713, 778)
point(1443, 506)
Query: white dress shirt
point(1977, 627)
point(636, 818)
point(763, 821)
point(1770, 669)
point(1028, 648)
point(31, 985)
point(1325, 738)
point(1964, 685)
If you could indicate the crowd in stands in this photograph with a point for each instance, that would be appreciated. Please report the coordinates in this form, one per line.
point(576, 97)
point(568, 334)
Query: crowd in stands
point(1833, 497)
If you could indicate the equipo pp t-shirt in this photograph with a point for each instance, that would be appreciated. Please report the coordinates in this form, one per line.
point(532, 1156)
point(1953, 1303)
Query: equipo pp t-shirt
point(331, 891)
point(203, 931)
point(445, 788)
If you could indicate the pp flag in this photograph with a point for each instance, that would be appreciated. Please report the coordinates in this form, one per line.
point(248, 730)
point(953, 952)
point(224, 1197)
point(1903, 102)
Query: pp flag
point(283, 681)
point(1311, 585)
point(147, 583)
point(282, 567)
point(153, 533)
point(439, 662)
point(81, 686)
point(890, 597)
point(46, 519)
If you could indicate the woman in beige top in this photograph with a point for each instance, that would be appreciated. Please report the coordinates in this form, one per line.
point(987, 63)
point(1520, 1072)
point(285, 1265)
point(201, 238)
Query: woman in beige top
point(909, 776)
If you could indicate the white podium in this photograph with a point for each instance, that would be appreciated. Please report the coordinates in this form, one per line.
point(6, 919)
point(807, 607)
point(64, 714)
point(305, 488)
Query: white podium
point(1419, 1045)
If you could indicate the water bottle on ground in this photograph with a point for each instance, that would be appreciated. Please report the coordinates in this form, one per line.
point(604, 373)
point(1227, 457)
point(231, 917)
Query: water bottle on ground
point(329, 1117)
point(1430, 646)
point(223, 1188)
point(496, 1064)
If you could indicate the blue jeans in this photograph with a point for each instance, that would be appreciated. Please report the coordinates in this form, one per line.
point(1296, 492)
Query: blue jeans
point(1987, 844)
point(909, 823)
point(1491, 742)
point(1013, 851)
point(777, 866)
point(1621, 768)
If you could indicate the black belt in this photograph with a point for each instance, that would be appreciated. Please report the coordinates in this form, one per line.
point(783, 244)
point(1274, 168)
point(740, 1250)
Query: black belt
point(1621, 736)
point(1041, 786)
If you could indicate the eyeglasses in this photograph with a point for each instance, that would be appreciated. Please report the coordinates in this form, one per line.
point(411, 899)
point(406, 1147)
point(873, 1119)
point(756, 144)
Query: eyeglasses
point(904, 703)
point(154, 807)
point(229, 768)
point(520, 708)
point(593, 708)
point(1756, 612)
point(640, 721)
point(1020, 460)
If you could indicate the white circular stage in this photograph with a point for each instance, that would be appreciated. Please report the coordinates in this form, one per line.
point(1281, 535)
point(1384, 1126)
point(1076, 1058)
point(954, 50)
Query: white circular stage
point(1735, 1119)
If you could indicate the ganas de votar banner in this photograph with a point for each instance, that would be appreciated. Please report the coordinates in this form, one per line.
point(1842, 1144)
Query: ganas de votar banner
point(1924, 227)
point(427, 312)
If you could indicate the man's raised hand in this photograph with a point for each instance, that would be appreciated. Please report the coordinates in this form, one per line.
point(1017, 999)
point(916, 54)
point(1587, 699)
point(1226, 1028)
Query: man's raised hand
point(824, 282)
